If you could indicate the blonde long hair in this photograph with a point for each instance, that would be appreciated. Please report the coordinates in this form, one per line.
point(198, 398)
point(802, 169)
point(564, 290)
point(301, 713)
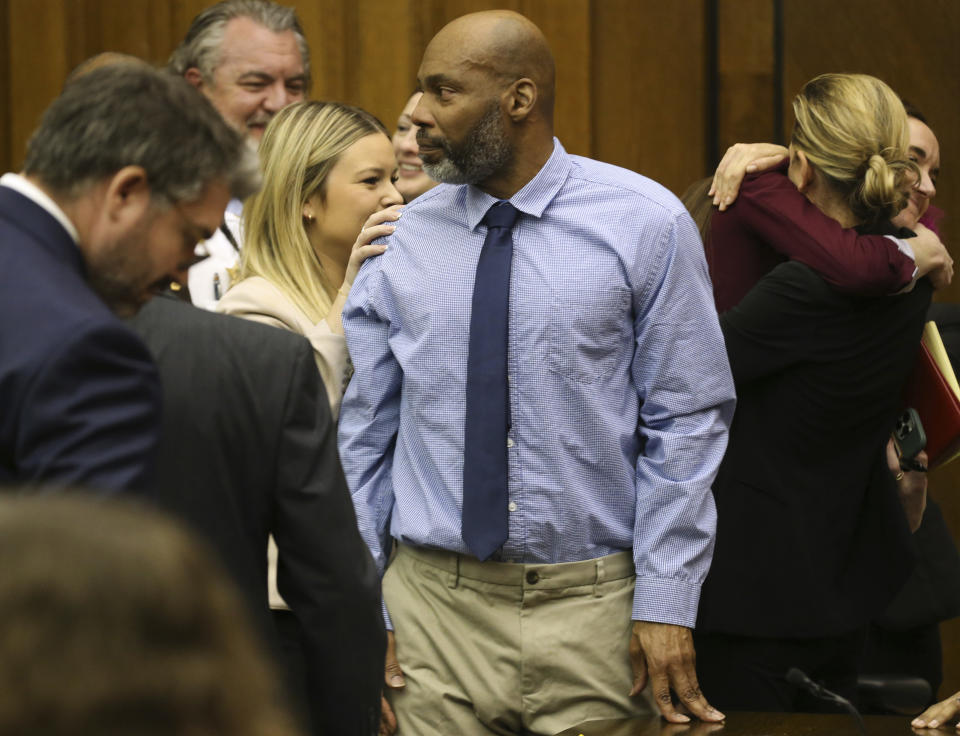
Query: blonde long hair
point(853, 130)
point(299, 148)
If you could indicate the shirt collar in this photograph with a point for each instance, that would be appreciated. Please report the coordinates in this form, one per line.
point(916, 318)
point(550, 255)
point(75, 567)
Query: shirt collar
point(235, 207)
point(32, 192)
point(535, 195)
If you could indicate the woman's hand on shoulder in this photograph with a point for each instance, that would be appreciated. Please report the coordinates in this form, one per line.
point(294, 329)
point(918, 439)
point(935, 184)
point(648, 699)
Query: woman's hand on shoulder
point(739, 160)
point(378, 225)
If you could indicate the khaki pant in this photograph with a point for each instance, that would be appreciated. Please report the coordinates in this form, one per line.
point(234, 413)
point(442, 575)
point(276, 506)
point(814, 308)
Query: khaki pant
point(502, 648)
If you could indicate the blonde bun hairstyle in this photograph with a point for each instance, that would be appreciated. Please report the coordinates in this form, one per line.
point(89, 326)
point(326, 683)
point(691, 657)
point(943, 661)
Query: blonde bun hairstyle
point(853, 130)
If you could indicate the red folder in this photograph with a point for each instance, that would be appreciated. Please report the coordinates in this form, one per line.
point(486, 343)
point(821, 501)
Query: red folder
point(933, 391)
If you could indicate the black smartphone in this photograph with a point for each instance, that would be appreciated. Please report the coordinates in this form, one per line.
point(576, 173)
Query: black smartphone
point(909, 438)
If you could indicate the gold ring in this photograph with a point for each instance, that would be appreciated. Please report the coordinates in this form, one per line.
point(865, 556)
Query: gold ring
point(899, 476)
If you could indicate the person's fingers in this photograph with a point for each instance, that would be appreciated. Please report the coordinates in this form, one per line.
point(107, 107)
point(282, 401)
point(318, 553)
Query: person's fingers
point(764, 162)
point(719, 176)
point(369, 234)
point(388, 721)
point(638, 664)
point(687, 688)
point(941, 277)
point(739, 160)
point(390, 214)
point(893, 459)
point(729, 174)
point(660, 689)
point(364, 252)
point(938, 714)
point(393, 675)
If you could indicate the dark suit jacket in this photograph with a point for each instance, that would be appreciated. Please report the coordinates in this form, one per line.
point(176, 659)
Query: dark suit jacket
point(249, 448)
point(80, 396)
point(811, 538)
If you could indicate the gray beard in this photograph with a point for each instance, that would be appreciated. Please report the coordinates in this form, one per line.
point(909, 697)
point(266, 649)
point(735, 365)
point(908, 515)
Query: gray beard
point(484, 152)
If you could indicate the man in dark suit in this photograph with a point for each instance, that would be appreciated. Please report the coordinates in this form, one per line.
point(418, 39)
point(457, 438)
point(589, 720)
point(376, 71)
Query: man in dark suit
point(248, 448)
point(127, 171)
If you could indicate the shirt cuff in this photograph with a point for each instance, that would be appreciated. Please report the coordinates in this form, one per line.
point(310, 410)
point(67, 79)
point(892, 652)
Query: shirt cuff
point(904, 247)
point(386, 616)
point(666, 601)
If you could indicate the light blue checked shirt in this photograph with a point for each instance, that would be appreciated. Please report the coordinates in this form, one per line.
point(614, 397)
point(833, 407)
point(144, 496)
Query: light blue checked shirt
point(620, 390)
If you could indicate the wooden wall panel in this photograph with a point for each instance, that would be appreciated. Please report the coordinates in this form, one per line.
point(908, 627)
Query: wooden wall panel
point(368, 52)
point(325, 23)
point(44, 39)
point(648, 78)
point(567, 26)
point(745, 72)
point(38, 36)
point(181, 14)
point(5, 100)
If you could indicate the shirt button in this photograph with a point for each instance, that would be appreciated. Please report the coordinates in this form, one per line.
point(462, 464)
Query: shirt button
point(533, 577)
point(509, 441)
point(512, 506)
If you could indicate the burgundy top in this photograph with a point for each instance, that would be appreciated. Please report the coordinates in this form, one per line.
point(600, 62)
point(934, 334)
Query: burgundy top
point(772, 221)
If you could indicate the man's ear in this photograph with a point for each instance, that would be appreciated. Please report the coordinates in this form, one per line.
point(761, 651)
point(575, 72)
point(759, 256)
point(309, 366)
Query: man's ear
point(521, 98)
point(127, 195)
point(194, 76)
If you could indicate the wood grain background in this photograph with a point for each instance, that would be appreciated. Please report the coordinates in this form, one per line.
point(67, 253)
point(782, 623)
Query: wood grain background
point(659, 87)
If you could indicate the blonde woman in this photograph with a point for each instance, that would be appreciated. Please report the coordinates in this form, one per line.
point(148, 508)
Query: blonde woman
point(328, 192)
point(328, 172)
point(812, 541)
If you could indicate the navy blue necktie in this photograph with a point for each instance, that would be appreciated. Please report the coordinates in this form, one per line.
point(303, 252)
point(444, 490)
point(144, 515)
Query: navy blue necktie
point(484, 520)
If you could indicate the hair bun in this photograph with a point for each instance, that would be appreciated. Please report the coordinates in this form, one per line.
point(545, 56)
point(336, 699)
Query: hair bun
point(882, 190)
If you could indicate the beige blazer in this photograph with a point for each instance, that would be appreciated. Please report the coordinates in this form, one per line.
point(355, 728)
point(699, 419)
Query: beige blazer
point(257, 299)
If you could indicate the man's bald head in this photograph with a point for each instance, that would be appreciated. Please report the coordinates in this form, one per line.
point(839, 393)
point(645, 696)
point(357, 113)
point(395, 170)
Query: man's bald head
point(486, 114)
point(505, 44)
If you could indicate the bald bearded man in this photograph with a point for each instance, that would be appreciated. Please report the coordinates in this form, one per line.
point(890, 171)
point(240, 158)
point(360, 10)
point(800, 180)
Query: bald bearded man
point(540, 403)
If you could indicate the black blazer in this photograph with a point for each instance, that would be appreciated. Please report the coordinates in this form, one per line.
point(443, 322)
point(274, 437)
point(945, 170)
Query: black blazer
point(811, 538)
point(79, 395)
point(248, 448)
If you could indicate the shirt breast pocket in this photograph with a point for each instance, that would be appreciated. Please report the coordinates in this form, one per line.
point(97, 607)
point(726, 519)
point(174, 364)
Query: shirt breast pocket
point(589, 330)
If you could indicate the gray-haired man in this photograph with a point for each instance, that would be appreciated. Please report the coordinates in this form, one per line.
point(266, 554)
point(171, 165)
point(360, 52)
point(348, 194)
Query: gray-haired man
point(250, 59)
point(129, 168)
